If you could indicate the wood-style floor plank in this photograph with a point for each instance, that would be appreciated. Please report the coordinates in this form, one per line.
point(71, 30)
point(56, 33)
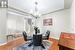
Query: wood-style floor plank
point(20, 41)
point(54, 45)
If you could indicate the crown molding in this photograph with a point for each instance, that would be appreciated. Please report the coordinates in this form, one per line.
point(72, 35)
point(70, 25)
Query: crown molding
point(55, 11)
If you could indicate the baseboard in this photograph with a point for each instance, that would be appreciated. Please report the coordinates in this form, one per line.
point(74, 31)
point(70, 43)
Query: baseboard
point(55, 38)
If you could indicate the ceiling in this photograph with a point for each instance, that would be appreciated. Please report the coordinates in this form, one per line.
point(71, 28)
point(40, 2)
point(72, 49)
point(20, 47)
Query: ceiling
point(44, 6)
point(67, 3)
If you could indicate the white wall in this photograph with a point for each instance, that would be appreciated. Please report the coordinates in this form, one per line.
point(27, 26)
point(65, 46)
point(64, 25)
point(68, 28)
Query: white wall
point(3, 19)
point(73, 17)
point(61, 23)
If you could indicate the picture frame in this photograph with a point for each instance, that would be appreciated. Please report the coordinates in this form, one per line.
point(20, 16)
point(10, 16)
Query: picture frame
point(47, 22)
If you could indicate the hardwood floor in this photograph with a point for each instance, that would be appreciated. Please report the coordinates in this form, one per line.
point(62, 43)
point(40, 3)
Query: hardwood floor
point(54, 45)
point(20, 41)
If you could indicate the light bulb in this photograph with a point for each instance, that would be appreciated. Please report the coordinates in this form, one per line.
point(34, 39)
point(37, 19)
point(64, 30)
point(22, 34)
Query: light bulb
point(5, 4)
point(2, 3)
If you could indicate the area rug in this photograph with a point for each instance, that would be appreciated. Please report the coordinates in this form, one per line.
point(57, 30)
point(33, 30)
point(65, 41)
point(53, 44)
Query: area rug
point(46, 43)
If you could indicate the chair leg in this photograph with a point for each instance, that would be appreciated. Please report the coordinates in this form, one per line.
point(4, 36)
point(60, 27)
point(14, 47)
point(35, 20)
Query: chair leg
point(42, 46)
point(30, 44)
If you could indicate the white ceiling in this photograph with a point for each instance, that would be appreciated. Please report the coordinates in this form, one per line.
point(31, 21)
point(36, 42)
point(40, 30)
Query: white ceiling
point(67, 3)
point(44, 6)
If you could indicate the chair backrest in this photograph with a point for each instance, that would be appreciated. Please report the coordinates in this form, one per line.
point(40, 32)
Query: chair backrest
point(47, 34)
point(25, 36)
point(37, 40)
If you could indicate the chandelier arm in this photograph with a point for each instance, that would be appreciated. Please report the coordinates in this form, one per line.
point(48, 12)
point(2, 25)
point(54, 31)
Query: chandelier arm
point(32, 15)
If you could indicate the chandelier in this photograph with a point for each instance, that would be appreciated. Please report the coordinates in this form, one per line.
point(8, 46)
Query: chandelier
point(35, 13)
